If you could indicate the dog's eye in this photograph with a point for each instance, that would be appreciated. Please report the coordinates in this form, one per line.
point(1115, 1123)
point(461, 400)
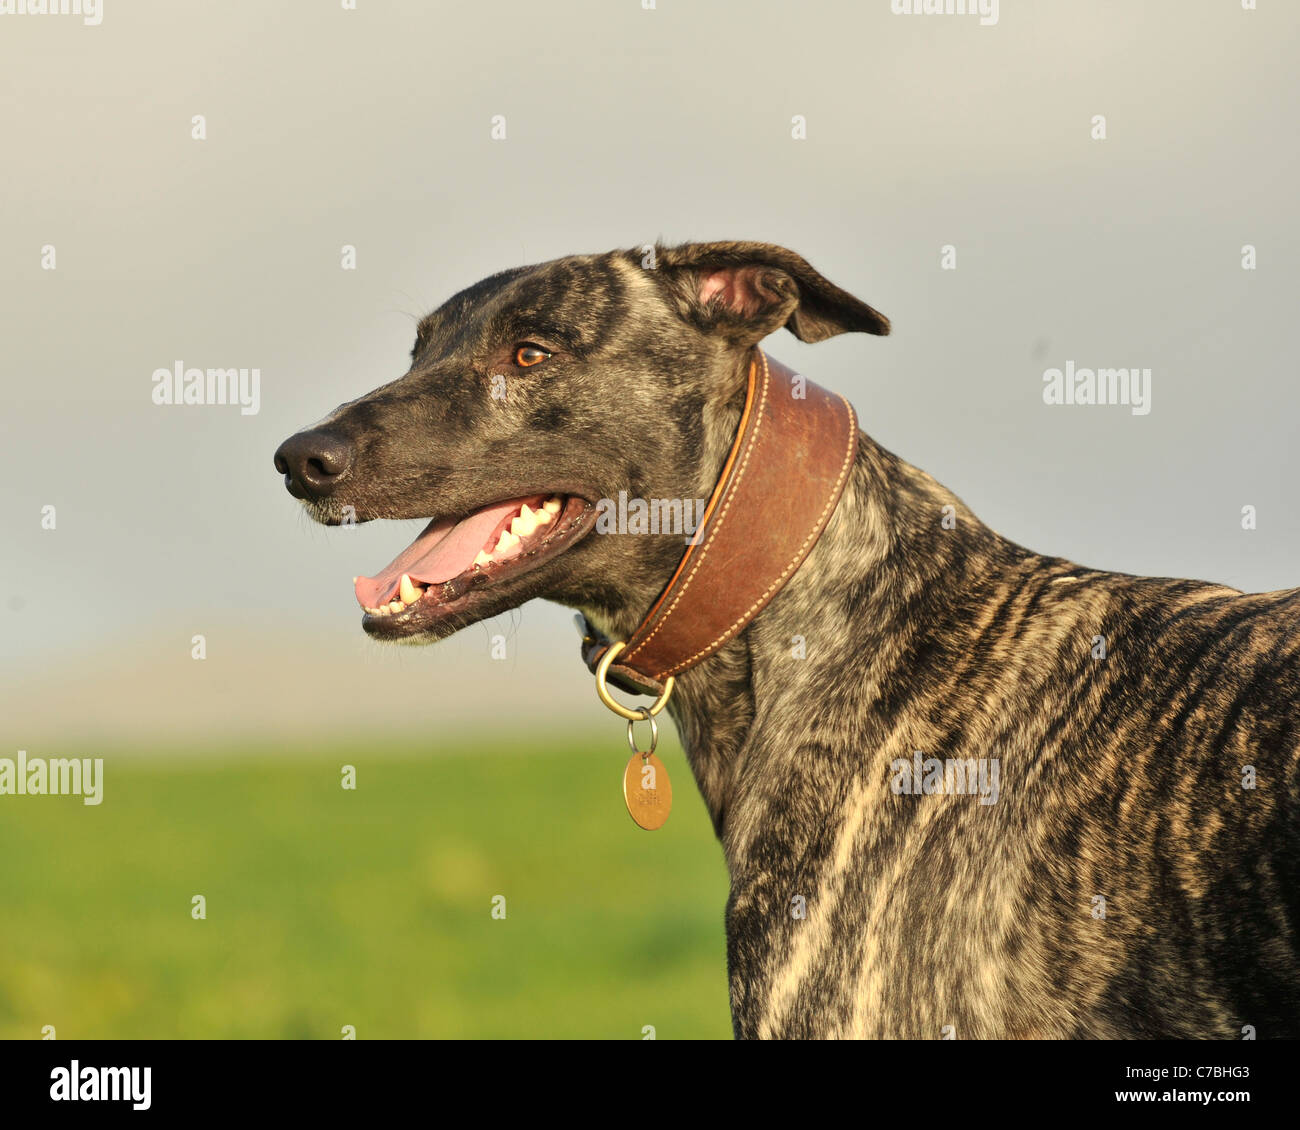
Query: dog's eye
point(529, 354)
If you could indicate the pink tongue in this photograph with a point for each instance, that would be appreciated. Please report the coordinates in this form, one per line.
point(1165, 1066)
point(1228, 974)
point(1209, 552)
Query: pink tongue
point(444, 550)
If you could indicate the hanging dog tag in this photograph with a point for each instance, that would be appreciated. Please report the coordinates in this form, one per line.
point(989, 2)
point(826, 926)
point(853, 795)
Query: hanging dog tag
point(647, 791)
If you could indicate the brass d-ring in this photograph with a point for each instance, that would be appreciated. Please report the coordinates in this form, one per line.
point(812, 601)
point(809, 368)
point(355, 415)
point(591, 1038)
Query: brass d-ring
point(602, 669)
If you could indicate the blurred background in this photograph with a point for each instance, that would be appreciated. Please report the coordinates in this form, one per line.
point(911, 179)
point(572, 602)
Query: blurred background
point(478, 777)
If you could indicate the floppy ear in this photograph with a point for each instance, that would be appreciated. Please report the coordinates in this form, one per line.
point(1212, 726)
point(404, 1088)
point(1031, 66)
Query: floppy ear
point(746, 290)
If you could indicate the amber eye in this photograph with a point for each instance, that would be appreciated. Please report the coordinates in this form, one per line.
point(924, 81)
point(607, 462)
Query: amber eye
point(529, 354)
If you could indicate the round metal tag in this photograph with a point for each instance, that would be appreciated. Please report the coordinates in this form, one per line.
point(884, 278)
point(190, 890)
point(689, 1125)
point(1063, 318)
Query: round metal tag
point(647, 792)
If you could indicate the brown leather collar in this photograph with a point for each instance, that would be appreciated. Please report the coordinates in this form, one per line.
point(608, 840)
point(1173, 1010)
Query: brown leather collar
point(786, 471)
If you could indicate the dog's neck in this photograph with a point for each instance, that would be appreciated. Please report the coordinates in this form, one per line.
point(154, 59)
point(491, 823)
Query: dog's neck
point(895, 535)
point(894, 556)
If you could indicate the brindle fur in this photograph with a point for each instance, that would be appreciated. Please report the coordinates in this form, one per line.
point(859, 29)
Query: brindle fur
point(1120, 776)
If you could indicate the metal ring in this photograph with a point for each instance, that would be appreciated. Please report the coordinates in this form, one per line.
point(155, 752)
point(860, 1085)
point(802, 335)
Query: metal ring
point(602, 669)
point(654, 733)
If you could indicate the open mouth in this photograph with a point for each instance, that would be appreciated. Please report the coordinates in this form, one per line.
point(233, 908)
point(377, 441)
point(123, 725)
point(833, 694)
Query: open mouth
point(454, 558)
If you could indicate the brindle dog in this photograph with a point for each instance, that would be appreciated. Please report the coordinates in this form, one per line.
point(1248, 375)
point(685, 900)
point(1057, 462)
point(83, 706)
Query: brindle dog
point(1128, 881)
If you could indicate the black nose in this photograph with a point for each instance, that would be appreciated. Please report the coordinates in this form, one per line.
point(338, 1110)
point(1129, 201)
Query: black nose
point(312, 463)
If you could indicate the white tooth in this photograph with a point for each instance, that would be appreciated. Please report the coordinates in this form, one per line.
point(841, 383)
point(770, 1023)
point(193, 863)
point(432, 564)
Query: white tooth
point(482, 558)
point(407, 591)
point(525, 524)
point(551, 506)
point(543, 516)
point(395, 606)
point(507, 540)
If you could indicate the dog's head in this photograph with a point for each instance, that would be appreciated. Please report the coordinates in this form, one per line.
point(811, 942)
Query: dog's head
point(535, 394)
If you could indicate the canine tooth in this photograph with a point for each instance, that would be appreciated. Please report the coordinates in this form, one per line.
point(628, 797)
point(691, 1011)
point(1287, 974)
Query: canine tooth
point(482, 558)
point(525, 524)
point(407, 591)
point(507, 540)
point(395, 606)
point(551, 506)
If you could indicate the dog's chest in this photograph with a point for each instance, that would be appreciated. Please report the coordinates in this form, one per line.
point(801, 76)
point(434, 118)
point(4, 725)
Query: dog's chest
point(873, 934)
point(877, 895)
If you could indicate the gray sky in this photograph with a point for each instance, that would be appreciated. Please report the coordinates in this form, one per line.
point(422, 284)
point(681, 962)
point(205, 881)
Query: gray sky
point(371, 127)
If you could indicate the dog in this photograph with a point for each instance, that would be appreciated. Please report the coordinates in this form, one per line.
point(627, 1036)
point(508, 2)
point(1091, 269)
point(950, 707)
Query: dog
point(1120, 854)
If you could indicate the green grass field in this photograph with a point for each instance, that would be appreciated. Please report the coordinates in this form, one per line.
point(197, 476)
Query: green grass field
point(328, 907)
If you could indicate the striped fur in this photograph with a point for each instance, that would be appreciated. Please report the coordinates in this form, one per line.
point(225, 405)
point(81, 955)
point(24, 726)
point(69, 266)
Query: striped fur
point(1121, 777)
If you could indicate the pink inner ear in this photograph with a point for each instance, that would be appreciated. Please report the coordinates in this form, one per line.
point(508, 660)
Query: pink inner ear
point(735, 285)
